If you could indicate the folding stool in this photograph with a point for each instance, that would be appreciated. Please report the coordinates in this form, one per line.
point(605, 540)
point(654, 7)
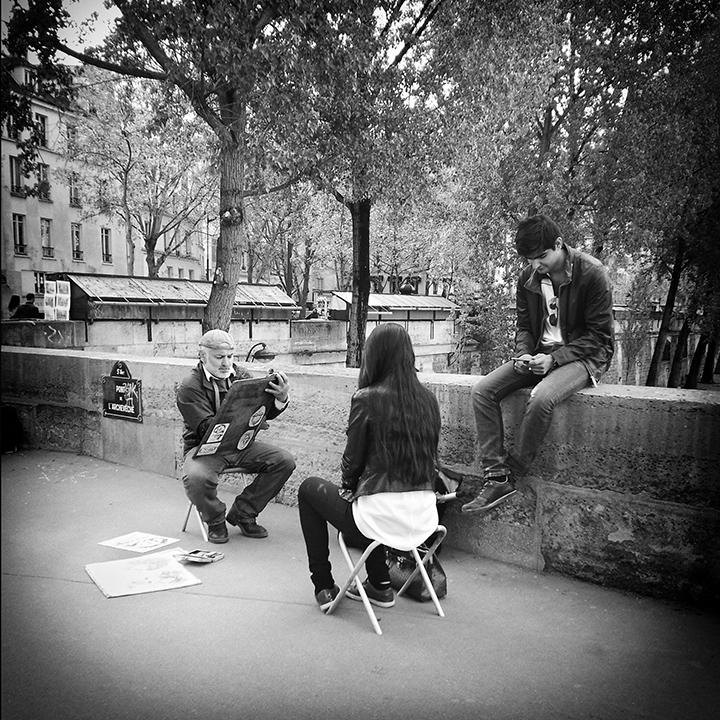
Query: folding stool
point(356, 567)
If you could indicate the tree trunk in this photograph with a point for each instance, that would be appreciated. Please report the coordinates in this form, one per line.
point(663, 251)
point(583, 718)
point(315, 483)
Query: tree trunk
point(709, 368)
point(360, 213)
point(304, 289)
point(231, 240)
point(691, 381)
point(677, 362)
point(129, 244)
point(288, 268)
point(667, 315)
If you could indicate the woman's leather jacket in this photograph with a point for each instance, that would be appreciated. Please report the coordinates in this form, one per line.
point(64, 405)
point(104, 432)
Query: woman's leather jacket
point(363, 471)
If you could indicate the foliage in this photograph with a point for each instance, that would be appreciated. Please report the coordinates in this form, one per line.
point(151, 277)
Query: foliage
point(155, 160)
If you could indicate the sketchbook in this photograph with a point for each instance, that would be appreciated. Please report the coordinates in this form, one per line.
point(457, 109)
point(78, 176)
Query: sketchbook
point(146, 574)
point(239, 418)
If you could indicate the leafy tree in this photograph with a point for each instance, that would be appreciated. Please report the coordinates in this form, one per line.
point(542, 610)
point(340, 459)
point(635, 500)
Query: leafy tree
point(243, 67)
point(154, 158)
point(376, 124)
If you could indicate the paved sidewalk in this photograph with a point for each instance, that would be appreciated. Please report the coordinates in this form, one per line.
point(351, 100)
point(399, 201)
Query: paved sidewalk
point(249, 642)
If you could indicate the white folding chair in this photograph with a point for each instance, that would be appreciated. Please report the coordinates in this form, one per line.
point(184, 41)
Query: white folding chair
point(356, 567)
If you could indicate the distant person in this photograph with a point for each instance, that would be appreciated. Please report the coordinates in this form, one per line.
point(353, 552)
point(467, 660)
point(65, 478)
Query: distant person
point(28, 310)
point(563, 343)
point(198, 398)
point(13, 305)
point(388, 470)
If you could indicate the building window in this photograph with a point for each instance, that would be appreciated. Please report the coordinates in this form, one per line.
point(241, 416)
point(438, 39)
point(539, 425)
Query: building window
point(72, 136)
point(41, 127)
point(19, 234)
point(170, 272)
point(17, 182)
point(48, 251)
point(44, 182)
point(39, 283)
point(106, 242)
point(30, 79)
point(181, 272)
point(319, 283)
point(76, 240)
point(12, 131)
point(191, 274)
point(74, 190)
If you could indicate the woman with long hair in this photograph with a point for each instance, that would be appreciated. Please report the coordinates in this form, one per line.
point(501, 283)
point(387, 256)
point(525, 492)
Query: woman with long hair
point(388, 470)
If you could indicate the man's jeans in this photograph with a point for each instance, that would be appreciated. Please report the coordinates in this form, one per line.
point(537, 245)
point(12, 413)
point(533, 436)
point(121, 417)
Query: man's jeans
point(549, 390)
point(272, 464)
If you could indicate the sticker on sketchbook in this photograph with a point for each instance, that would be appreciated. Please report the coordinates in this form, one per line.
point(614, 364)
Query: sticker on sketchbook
point(257, 417)
point(245, 439)
point(208, 449)
point(218, 432)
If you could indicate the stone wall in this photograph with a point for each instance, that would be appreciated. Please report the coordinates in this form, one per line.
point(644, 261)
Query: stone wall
point(625, 492)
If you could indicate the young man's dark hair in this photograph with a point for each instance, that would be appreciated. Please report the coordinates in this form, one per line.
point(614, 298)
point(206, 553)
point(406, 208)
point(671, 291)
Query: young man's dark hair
point(535, 234)
point(30, 297)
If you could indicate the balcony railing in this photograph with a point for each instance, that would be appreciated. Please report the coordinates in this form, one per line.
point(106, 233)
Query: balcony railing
point(20, 249)
point(48, 252)
point(77, 254)
point(107, 257)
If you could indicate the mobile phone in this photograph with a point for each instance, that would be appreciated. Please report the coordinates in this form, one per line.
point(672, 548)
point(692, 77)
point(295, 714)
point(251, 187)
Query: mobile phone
point(524, 361)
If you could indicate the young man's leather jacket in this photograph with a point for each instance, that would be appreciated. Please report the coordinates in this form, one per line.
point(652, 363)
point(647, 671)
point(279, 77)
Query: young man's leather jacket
point(195, 398)
point(586, 314)
point(363, 472)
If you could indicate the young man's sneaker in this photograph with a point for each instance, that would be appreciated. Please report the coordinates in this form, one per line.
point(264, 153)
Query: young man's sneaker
point(381, 598)
point(325, 597)
point(218, 533)
point(493, 493)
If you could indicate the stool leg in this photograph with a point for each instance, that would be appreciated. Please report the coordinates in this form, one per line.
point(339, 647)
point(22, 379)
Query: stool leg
point(187, 517)
point(354, 570)
point(203, 529)
point(420, 563)
point(428, 582)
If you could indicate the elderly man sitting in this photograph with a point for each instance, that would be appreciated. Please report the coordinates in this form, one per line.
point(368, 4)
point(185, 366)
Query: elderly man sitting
point(198, 399)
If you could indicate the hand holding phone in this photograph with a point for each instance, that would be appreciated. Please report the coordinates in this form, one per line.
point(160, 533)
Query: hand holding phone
point(522, 363)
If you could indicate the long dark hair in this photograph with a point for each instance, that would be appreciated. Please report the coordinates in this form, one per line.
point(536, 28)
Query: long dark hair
point(407, 442)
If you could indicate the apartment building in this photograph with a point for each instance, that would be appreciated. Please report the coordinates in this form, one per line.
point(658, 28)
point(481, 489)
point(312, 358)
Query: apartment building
point(54, 231)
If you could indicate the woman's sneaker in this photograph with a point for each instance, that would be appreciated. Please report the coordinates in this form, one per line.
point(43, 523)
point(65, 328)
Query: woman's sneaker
point(325, 597)
point(381, 598)
point(492, 494)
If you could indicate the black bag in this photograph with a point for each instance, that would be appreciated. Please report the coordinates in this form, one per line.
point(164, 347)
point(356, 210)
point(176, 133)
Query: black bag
point(401, 566)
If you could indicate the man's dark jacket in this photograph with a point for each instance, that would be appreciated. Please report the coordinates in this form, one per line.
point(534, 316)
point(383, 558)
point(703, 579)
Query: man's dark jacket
point(586, 314)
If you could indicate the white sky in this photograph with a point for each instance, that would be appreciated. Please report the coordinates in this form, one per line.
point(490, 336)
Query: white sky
point(80, 11)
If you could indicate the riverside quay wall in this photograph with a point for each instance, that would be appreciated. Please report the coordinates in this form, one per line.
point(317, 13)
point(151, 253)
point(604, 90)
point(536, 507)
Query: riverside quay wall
point(625, 491)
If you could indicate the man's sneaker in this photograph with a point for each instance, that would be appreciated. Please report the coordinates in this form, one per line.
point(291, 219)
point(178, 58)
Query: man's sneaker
point(218, 533)
point(492, 494)
point(381, 598)
point(325, 597)
point(249, 528)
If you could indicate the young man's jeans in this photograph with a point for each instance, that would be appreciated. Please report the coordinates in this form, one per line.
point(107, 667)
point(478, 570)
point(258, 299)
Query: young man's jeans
point(320, 503)
point(272, 464)
point(549, 390)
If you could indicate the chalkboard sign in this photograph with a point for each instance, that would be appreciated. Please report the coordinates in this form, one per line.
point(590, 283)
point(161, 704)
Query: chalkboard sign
point(122, 395)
